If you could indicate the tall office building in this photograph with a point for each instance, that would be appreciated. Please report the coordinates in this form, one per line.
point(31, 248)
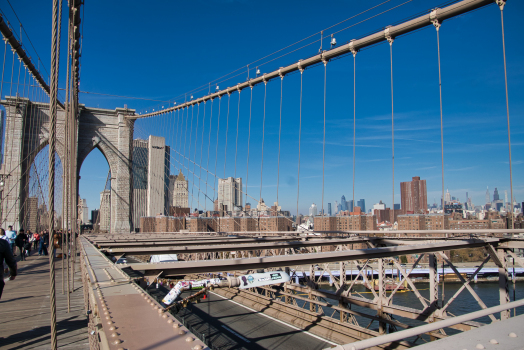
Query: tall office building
point(83, 212)
point(229, 193)
point(329, 209)
point(105, 211)
point(349, 205)
point(487, 195)
point(413, 196)
point(151, 169)
point(447, 197)
point(313, 210)
point(496, 195)
point(180, 191)
point(343, 203)
point(362, 204)
point(157, 176)
point(94, 216)
point(506, 203)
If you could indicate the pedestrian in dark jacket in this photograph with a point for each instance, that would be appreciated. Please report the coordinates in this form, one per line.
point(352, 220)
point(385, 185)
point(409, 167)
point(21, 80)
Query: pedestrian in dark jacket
point(7, 255)
point(20, 241)
point(44, 240)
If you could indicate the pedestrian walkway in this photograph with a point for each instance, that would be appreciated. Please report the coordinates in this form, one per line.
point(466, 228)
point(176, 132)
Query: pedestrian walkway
point(25, 310)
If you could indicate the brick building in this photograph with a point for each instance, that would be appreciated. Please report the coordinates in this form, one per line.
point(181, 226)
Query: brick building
point(413, 196)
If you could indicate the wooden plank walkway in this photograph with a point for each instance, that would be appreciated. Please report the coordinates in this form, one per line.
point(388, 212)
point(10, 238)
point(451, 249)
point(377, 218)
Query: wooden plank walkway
point(25, 311)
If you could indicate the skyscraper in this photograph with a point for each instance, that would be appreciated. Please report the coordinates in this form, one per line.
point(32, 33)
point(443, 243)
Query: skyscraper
point(313, 210)
point(349, 205)
point(496, 195)
point(447, 197)
point(329, 209)
point(487, 195)
point(151, 163)
point(413, 196)
point(105, 210)
point(157, 176)
point(343, 203)
point(180, 191)
point(229, 193)
point(362, 204)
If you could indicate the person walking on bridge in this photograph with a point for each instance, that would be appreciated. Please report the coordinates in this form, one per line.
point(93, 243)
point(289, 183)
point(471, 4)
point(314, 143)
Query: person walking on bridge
point(6, 254)
point(3, 236)
point(36, 240)
point(12, 236)
point(21, 241)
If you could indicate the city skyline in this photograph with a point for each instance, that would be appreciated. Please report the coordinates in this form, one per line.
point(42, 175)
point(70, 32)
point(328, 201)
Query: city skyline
point(473, 100)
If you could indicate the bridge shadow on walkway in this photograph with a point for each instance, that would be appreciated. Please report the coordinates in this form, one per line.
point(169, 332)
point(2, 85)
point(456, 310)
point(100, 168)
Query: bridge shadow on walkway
point(25, 311)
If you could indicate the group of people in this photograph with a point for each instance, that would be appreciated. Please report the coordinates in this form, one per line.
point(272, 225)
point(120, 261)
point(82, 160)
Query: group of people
point(10, 240)
point(25, 242)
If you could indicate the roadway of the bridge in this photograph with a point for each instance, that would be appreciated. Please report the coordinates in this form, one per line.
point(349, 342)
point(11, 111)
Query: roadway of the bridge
point(230, 325)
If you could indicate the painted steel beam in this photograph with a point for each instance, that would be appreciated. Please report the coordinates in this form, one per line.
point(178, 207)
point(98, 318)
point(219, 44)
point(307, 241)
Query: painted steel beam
point(191, 243)
point(232, 247)
point(202, 266)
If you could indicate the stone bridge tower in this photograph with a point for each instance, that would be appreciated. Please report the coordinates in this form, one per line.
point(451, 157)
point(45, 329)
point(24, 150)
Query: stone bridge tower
point(27, 132)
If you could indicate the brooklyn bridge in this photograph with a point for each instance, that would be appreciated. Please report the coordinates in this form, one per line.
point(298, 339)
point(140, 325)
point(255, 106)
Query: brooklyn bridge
point(184, 252)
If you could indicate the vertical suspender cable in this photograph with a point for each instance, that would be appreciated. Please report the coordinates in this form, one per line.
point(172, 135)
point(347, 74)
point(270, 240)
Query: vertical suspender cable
point(189, 158)
point(436, 23)
point(354, 119)
point(201, 151)
point(215, 193)
point(227, 129)
point(65, 162)
point(249, 139)
point(208, 148)
point(324, 137)
point(392, 215)
point(194, 157)
point(236, 150)
point(279, 136)
point(52, 141)
point(299, 138)
point(236, 142)
point(501, 4)
point(263, 134)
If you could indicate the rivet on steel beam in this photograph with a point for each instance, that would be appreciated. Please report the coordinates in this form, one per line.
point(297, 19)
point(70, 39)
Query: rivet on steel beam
point(479, 346)
point(493, 341)
point(165, 316)
point(170, 321)
point(176, 325)
point(182, 332)
point(512, 335)
point(189, 339)
point(116, 342)
point(197, 347)
point(114, 334)
point(112, 328)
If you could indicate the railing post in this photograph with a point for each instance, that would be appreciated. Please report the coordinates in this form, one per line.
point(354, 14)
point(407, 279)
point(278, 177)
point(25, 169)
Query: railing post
point(433, 281)
point(503, 283)
point(381, 293)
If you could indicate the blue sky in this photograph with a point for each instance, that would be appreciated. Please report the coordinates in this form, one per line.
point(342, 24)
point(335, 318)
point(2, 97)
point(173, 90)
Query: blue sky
point(165, 49)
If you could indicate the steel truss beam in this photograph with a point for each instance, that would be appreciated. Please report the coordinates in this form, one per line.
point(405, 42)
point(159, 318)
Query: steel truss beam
point(186, 267)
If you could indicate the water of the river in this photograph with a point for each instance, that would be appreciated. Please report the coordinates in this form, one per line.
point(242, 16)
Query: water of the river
point(464, 303)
